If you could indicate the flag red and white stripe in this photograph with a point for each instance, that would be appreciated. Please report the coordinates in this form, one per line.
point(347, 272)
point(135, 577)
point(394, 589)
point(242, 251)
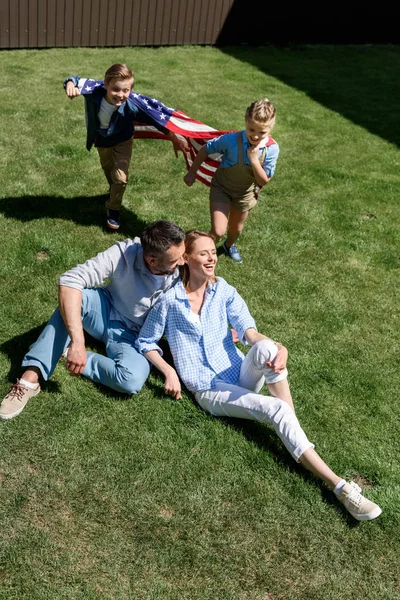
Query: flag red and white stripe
point(195, 133)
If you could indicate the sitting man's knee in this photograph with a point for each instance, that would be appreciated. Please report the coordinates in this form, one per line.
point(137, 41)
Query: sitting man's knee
point(129, 382)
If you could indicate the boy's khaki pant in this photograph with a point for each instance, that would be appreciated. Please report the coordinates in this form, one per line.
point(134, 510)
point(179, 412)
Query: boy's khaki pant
point(115, 164)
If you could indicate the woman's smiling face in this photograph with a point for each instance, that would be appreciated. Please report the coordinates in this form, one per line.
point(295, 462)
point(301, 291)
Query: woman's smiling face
point(202, 258)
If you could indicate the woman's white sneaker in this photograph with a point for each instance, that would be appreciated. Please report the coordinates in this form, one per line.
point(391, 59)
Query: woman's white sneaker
point(358, 506)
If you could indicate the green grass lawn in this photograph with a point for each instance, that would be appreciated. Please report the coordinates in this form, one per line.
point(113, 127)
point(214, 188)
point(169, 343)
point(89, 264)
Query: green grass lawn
point(146, 498)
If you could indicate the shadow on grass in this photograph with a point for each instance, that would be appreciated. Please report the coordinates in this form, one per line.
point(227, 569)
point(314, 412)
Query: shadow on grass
point(360, 83)
point(261, 435)
point(82, 210)
point(16, 348)
point(266, 439)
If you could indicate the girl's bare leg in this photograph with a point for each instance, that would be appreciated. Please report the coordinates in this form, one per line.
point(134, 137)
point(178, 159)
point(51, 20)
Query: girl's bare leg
point(219, 213)
point(235, 225)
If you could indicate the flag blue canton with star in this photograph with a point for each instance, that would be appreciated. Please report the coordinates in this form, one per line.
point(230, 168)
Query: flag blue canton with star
point(89, 85)
point(156, 109)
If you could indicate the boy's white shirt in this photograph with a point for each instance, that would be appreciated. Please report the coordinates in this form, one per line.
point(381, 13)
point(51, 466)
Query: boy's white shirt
point(105, 113)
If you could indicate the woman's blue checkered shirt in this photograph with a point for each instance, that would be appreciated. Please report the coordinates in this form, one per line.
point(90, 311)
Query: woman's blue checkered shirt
point(203, 351)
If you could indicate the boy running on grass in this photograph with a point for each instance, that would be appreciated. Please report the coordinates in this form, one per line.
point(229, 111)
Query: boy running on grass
point(248, 163)
point(110, 113)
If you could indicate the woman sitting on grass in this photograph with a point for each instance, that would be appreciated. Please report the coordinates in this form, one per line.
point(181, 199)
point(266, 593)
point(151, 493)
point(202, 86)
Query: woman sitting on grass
point(195, 316)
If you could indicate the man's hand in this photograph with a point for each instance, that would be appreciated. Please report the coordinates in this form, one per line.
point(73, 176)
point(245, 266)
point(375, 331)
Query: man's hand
point(71, 90)
point(189, 179)
point(173, 385)
point(76, 358)
point(279, 363)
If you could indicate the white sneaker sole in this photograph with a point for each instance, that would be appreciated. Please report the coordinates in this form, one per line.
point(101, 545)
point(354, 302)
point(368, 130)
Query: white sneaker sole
point(369, 516)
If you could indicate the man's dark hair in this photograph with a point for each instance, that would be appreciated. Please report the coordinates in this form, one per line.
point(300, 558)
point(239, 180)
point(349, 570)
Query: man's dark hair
point(159, 236)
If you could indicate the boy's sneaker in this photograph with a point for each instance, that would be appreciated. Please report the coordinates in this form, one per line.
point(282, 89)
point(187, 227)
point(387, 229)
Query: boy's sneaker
point(113, 219)
point(16, 399)
point(358, 506)
point(232, 252)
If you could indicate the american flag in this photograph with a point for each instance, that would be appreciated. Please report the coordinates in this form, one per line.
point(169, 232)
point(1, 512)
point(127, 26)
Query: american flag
point(194, 132)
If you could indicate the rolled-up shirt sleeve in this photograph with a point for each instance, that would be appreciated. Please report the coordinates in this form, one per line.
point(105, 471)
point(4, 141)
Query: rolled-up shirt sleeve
point(94, 271)
point(217, 145)
point(74, 78)
point(239, 315)
point(153, 328)
point(269, 164)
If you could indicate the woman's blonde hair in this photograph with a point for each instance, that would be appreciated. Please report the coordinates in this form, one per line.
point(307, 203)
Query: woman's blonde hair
point(263, 111)
point(191, 237)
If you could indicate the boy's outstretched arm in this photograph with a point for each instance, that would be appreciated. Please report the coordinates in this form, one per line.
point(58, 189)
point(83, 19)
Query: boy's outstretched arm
point(71, 87)
point(190, 176)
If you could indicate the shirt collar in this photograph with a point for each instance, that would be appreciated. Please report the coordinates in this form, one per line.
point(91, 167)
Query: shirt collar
point(140, 265)
point(181, 294)
point(180, 291)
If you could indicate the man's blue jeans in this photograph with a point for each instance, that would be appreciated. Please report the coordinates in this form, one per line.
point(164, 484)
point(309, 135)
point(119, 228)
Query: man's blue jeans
point(124, 369)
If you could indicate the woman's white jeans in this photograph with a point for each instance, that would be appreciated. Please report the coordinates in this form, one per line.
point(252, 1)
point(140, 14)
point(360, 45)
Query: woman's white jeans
point(243, 401)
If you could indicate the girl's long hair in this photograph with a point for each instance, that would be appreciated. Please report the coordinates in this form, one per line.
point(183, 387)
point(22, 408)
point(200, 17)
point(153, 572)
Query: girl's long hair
point(190, 237)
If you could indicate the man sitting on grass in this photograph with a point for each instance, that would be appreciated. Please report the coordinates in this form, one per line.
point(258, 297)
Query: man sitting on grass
point(139, 272)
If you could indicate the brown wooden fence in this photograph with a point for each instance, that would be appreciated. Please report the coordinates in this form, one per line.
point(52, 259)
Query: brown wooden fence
point(54, 23)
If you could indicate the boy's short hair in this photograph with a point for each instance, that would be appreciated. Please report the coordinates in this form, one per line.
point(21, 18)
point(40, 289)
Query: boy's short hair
point(118, 71)
point(159, 236)
point(263, 111)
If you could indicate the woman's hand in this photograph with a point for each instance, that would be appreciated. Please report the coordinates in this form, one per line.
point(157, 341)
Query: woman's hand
point(235, 337)
point(173, 385)
point(279, 363)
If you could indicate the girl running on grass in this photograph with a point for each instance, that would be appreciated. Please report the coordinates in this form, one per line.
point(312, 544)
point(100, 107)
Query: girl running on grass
point(248, 163)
